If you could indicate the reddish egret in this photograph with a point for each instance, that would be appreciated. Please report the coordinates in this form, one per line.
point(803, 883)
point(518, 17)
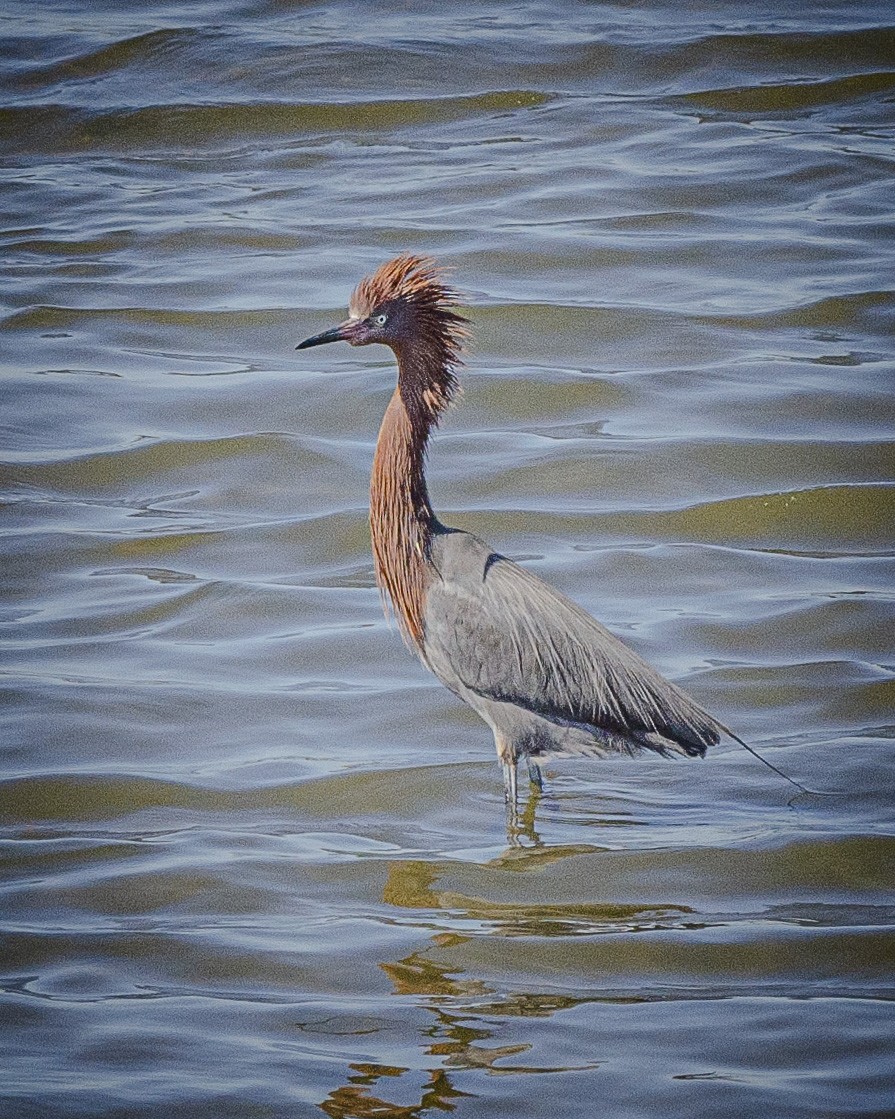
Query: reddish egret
point(544, 675)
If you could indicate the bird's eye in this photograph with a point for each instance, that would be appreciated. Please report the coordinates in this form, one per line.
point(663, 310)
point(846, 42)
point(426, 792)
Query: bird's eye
point(380, 320)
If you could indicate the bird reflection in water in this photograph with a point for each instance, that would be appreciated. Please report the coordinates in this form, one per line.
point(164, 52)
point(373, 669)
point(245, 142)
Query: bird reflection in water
point(465, 1014)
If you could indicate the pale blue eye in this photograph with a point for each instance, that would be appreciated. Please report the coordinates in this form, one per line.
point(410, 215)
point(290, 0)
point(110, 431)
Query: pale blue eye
point(380, 320)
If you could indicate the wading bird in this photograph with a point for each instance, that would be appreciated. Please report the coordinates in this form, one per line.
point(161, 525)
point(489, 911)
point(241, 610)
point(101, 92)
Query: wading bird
point(544, 675)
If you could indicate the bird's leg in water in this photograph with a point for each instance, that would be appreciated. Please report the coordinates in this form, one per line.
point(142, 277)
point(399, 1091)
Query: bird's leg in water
point(510, 792)
point(536, 775)
point(522, 824)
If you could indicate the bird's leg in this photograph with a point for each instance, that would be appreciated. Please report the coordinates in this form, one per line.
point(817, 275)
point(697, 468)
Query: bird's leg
point(510, 792)
point(510, 786)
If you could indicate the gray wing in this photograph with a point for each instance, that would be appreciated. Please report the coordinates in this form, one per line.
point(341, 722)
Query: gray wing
point(504, 634)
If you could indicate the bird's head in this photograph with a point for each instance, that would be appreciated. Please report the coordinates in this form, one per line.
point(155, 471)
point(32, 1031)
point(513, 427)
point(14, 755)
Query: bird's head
point(405, 304)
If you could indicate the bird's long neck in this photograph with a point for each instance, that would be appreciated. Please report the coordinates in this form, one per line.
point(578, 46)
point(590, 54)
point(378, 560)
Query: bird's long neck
point(401, 517)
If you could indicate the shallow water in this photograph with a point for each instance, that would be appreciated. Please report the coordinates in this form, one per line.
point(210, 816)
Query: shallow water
point(254, 858)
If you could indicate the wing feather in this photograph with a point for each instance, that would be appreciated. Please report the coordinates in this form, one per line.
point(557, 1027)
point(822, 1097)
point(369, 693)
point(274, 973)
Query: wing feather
point(500, 631)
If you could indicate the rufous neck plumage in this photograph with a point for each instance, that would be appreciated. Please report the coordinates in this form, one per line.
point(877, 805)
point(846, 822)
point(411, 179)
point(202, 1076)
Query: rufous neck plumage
point(401, 516)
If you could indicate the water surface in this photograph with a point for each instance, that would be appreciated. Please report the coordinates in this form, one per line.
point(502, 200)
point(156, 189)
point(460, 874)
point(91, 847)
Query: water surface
point(254, 858)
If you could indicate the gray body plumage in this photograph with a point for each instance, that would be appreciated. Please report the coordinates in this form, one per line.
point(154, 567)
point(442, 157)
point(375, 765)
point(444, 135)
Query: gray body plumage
point(544, 674)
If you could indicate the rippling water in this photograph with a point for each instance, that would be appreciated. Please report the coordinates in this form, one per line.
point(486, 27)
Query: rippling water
point(254, 857)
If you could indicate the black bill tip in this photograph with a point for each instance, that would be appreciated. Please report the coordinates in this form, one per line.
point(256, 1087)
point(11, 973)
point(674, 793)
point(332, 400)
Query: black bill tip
point(334, 335)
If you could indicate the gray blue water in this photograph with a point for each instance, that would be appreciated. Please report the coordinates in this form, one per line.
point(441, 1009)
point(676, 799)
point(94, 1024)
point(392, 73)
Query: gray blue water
point(254, 862)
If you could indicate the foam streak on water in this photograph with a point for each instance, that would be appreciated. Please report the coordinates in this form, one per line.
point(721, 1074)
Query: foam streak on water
point(253, 858)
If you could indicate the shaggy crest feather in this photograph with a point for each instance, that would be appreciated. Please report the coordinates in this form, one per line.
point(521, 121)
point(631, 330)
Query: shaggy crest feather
point(417, 279)
point(429, 360)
